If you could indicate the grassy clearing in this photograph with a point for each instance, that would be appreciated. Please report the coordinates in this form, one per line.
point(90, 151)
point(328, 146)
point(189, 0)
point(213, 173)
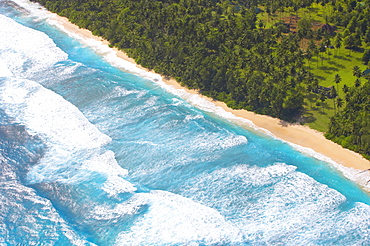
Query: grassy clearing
point(335, 62)
point(315, 13)
point(318, 116)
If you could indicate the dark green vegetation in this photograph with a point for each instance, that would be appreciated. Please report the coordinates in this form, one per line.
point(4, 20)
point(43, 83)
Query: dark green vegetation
point(350, 127)
point(213, 46)
point(227, 51)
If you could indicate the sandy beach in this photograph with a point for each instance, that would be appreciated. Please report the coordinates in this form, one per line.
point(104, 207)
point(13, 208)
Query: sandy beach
point(293, 133)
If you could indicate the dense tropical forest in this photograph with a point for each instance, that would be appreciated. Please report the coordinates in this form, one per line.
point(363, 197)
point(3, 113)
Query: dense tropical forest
point(227, 51)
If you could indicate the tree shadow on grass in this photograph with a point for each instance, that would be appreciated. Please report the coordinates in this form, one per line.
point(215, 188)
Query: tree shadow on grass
point(322, 108)
point(358, 49)
point(336, 64)
point(328, 69)
point(319, 77)
point(306, 117)
point(322, 111)
point(343, 57)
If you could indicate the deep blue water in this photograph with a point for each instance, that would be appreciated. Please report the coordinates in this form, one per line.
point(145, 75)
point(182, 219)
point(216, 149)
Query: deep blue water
point(94, 155)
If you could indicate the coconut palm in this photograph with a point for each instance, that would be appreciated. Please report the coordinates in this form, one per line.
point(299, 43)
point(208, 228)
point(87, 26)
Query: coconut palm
point(337, 80)
point(357, 71)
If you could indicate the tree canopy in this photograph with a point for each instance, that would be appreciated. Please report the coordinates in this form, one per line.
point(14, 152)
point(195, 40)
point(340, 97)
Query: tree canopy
point(213, 46)
point(350, 127)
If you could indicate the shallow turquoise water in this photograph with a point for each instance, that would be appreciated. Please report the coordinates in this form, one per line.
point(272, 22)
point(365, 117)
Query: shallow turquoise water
point(94, 155)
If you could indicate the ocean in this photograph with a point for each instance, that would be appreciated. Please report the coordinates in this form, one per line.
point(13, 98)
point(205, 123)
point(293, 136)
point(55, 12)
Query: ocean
point(95, 151)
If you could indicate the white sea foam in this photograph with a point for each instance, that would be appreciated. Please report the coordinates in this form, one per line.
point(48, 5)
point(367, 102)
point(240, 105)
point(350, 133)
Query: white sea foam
point(57, 166)
point(105, 212)
point(32, 9)
point(61, 125)
point(146, 143)
point(193, 117)
point(116, 185)
point(173, 219)
point(48, 114)
point(276, 204)
point(111, 166)
point(121, 92)
point(66, 132)
point(4, 70)
point(24, 50)
point(35, 218)
point(209, 141)
point(353, 174)
point(107, 164)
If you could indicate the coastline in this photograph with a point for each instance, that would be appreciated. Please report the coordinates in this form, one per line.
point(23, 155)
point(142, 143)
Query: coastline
point(295, 134)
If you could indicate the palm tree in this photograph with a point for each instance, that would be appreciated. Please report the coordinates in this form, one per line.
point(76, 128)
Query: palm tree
point(339, 102)
point(333, 95)
point(345, 89)
point(337, 80)
point(322, 49)
point(357, 82)
point(350, 42)
point(326, 42)
point(312, 50)
point(338, 41)
point(357, 71)
point(322, 99)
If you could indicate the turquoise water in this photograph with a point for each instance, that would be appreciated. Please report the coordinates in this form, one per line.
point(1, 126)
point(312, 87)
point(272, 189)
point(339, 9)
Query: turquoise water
point(94, 155)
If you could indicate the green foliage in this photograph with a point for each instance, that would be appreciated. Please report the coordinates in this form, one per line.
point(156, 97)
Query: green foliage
point(304, 25)
point(213, 46)
point(337, 62)
point(366, 57)
point(350, 127)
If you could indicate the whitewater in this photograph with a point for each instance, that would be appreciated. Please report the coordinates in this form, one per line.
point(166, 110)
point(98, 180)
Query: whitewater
point(96, 152)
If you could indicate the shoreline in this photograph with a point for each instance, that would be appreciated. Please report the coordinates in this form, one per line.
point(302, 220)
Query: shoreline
point(290, 133)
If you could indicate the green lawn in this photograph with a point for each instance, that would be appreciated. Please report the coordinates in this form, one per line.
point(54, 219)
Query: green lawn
point(334, 62)
point(337, 62)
